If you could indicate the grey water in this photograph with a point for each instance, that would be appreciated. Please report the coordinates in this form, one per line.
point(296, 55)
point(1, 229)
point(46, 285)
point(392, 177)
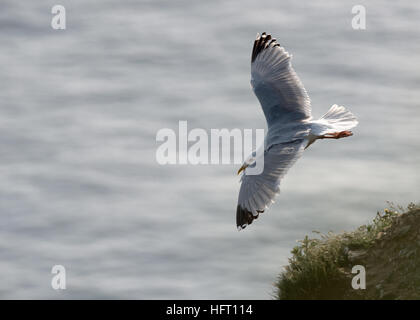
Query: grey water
point(80, 109)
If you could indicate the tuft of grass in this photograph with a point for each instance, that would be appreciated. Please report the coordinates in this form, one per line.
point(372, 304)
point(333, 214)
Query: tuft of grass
point(320, 267)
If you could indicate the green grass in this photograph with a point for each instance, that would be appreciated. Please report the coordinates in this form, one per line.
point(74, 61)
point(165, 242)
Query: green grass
point(319, 267)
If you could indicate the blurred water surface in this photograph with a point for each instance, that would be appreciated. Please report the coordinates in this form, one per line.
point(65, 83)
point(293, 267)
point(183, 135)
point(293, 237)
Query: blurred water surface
point(80, 110)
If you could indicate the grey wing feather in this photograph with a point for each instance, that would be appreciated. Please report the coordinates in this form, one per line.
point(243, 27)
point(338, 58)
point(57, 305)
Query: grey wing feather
point(258, 191)
point(276, 85)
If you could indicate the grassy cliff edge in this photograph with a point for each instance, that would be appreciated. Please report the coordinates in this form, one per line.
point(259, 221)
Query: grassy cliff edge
point(388, 248)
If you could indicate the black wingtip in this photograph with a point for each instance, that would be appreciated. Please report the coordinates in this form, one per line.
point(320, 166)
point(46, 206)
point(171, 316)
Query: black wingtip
point(245, 217)
point(262, 42)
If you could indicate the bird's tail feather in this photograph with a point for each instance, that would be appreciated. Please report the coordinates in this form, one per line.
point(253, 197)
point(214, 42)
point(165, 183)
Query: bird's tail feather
point(339, 118)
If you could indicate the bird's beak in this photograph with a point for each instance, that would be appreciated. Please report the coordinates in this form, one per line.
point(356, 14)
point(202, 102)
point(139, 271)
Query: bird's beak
point(242, 168)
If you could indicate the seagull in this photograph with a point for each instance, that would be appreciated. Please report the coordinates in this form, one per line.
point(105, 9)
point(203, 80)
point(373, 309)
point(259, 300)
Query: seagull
point(291, 129)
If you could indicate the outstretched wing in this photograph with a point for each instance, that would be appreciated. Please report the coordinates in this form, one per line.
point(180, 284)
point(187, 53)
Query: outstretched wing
point(276, 85)
point(258, 191)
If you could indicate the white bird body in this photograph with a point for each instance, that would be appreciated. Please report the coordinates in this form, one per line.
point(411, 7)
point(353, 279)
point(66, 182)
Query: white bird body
point(291, 129)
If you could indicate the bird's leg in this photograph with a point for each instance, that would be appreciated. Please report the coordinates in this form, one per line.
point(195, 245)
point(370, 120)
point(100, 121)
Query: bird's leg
point(337, 135)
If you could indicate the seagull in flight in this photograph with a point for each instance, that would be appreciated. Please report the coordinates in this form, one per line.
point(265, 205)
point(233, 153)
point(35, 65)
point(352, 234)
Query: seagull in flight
point(291, 129)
